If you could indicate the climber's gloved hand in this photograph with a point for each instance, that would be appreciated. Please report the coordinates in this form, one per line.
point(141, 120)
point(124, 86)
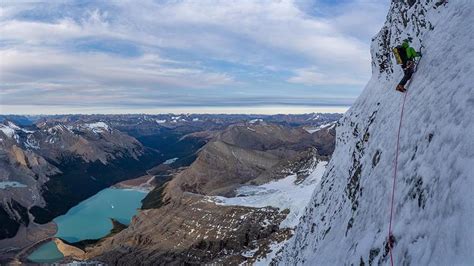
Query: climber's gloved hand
point(419, 54)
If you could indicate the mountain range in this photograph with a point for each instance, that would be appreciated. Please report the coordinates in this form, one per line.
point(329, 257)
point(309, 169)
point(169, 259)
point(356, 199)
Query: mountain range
point(51, 163)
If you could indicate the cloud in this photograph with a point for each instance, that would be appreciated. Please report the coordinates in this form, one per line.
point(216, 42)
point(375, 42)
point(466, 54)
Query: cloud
point(175, 52)
point(251, 32)
point(49, 69)
point(313, 77)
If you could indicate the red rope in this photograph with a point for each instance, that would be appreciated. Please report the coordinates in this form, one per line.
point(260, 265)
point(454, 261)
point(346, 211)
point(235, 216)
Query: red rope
point(390, 244)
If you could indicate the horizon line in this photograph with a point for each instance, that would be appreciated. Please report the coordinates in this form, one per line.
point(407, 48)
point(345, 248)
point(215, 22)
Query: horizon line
point(202, 110)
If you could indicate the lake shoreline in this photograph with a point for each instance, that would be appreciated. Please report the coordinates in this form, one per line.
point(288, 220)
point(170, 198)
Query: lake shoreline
point(90, 219)
point(144, 183)
point(27, 241)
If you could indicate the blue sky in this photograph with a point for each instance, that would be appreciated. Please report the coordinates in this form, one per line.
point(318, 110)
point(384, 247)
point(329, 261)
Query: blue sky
point(185, 56)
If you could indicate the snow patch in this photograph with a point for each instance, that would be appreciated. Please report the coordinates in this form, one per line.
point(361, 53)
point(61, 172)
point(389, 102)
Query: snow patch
point(253, 121)
point(8, 131)
point(249, 253)
point(176, 119)
point(98, 127)
point(58, 128)
point(282, 194)
point(11, 184)
point(170, 161)
point(31, 142)
point(327, 126)
point(275, 248)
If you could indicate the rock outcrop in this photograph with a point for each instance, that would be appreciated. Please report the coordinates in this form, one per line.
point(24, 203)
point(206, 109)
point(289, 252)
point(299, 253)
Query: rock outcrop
point(189, 231)
point(68, 250)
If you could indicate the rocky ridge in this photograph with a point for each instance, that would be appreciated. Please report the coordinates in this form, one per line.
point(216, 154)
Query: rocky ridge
point(188, 227)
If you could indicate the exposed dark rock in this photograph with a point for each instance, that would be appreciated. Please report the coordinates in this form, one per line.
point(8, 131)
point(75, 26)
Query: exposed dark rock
point(376, 158)
point(12, 215)
point(80, 180)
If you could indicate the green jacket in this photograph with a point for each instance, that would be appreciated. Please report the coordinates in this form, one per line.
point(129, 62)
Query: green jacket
point(411, 53)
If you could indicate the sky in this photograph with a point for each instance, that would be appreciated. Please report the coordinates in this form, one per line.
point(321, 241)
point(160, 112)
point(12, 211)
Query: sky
point(203, 56)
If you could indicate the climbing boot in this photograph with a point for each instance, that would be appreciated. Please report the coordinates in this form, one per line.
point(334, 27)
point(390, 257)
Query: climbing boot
point(401, 88)
point(391, 241)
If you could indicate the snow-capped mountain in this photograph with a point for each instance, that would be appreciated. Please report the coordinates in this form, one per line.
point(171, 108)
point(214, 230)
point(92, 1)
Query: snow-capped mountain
point(91, 141)
point(33, 157)
point(347, 219)
point(50, 163)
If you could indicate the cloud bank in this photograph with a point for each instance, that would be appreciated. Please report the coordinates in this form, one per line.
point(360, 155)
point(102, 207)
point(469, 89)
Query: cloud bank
point(185, 53)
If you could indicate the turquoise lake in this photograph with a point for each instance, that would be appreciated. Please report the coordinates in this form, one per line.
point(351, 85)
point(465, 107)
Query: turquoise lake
point(90, 219)
point(47, 253)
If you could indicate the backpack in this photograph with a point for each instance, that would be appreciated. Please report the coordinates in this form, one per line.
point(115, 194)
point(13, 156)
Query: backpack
point(400, 55)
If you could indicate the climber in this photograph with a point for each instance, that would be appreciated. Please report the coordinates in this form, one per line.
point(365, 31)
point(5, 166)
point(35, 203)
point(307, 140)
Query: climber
point(405, 56)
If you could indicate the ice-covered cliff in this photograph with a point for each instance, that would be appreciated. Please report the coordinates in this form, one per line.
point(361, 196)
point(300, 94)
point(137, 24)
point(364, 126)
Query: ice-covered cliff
point(347, 220)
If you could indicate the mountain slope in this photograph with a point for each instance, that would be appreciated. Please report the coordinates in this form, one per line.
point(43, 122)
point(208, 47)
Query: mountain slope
point(186, 224)
point(43, 164)
point(347, 220)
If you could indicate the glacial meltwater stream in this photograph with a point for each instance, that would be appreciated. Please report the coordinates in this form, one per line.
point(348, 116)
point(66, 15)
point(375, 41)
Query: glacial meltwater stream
point(90, 219)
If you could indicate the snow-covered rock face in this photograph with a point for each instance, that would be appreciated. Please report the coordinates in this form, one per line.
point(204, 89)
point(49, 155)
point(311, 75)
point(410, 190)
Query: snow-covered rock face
point(8, 131)
point(347, 220)
point(97, 127)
